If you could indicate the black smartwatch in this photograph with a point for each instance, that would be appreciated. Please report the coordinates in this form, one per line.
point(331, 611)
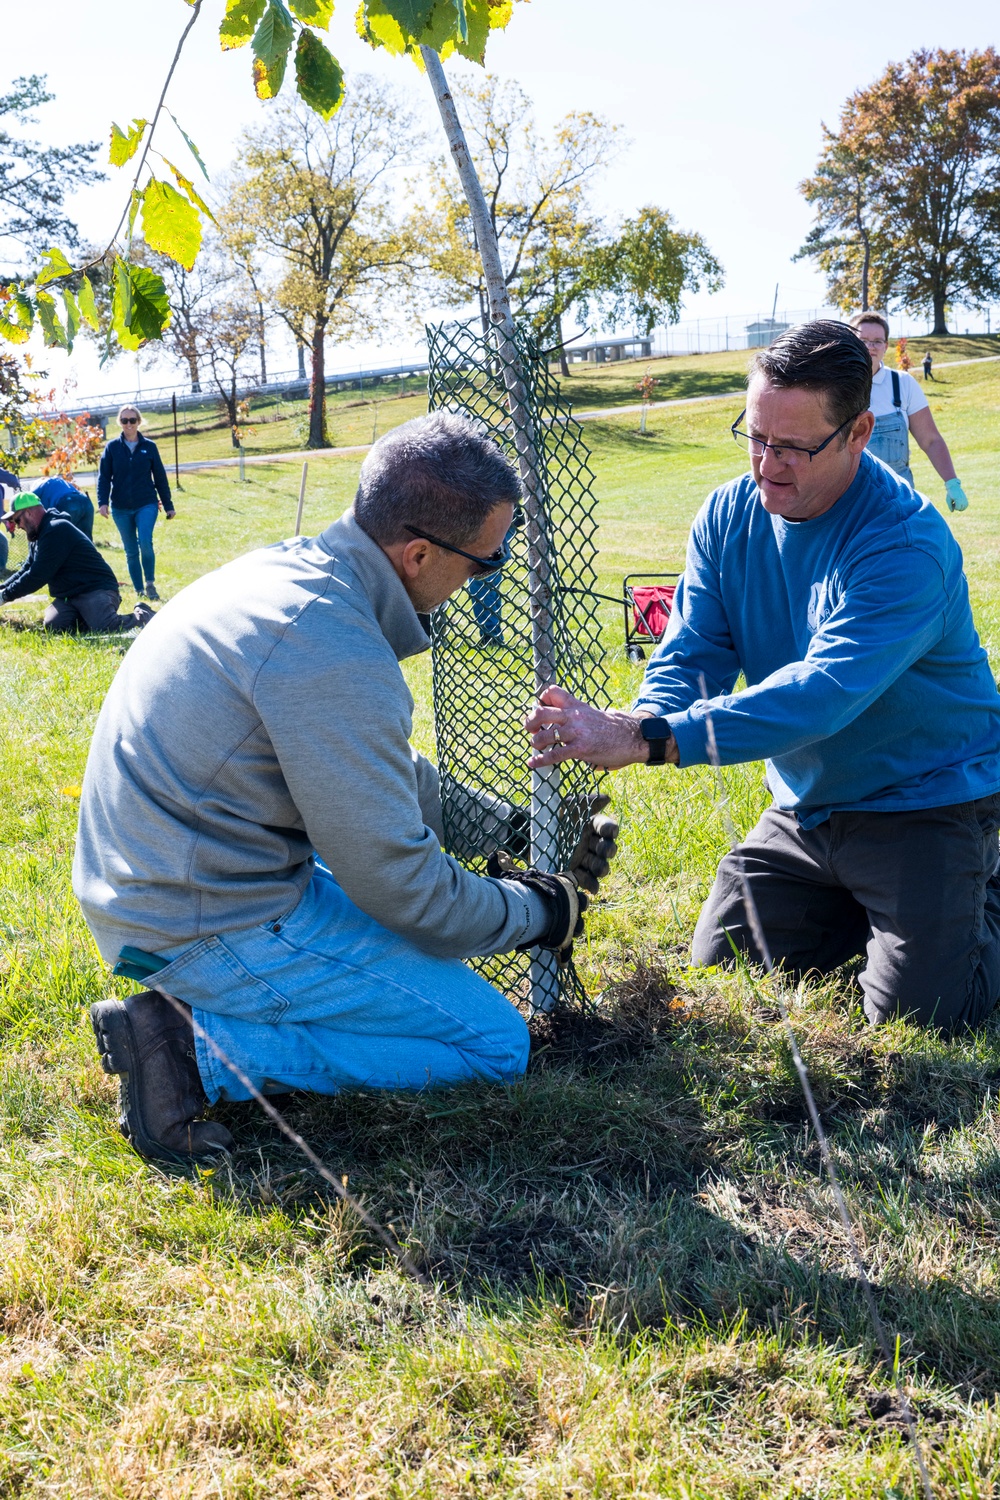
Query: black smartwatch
point(658, 734)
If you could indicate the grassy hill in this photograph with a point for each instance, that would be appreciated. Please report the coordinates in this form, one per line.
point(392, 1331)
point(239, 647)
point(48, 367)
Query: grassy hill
point(642, 1285)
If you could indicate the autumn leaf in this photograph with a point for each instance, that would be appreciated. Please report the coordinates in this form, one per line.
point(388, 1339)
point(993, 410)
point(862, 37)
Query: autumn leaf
point(52, 330)
point(318, 75)
point(239, 23)
point(187, 186)
point(170, 223)
point(87, 304)
point(190, 145)
point(313, 12)
point(56, 265)
point(124, 147)
point(17, 319)
point(271, 45)
point(72, 317)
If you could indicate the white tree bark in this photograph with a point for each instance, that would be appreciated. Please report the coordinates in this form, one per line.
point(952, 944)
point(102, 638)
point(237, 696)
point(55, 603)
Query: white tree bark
point(544, 782)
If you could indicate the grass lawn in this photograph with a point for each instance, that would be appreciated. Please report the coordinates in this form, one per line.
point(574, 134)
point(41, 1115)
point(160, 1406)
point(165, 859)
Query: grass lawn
point(643, 1288)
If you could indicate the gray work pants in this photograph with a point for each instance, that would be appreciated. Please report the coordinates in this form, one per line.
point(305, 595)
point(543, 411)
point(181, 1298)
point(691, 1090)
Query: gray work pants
point(96, 611)
point(917, 892)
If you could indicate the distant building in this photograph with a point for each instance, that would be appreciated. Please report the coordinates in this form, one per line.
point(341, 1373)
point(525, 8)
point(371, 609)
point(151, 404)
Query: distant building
point(763, 332)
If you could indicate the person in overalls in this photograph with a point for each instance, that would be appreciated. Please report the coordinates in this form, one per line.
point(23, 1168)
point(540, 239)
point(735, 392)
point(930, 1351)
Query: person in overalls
point(900, 407)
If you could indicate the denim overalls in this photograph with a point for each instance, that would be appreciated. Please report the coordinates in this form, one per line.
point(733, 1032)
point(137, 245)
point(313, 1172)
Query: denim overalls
point(891, 439)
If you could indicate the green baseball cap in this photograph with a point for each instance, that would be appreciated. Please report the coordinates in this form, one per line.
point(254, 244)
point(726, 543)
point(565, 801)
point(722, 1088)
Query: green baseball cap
point(24, 501)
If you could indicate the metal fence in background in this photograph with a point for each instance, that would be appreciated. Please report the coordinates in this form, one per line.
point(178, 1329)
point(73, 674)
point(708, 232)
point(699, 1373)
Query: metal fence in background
point(491, 640)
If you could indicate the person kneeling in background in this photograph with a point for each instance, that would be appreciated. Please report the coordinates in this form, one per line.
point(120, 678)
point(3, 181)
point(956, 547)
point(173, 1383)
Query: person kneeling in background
point(84, 590)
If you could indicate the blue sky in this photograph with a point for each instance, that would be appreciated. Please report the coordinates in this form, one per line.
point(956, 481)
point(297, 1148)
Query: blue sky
point(723, 102)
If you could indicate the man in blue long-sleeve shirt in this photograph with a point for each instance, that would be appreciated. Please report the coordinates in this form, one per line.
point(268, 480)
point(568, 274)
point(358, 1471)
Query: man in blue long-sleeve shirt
point(840, 596)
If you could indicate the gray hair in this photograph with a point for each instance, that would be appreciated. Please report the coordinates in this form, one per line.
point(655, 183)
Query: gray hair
point(442, 473)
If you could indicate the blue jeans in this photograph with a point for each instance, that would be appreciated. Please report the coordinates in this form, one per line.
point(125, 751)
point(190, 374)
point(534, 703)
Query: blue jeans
point(135, 527)
point(327, 999)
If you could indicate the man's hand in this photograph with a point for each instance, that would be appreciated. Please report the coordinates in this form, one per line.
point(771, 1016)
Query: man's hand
point(102, 510)
point(565, 728)
point(955, 494)
point(596, 848)
point(170, 514)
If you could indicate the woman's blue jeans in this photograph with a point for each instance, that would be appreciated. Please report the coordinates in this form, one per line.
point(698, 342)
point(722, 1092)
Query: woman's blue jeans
point(326, 999)
point(135, 527)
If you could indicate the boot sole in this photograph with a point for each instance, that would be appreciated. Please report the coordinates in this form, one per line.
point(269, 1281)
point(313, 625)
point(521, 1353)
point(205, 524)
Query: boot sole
point(119, 1055)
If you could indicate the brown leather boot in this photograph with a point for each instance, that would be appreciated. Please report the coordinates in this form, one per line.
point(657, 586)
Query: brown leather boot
point(151, 1048)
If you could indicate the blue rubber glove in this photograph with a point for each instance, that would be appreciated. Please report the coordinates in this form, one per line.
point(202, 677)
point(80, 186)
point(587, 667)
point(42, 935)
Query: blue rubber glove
point(956, 495)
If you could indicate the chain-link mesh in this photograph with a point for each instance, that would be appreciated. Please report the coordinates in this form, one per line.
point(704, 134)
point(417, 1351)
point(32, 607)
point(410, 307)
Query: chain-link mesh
point(497, 641)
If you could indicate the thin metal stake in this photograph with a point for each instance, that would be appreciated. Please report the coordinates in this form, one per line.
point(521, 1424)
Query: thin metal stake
point(302, 500)
point(759, 937)
point(177, 467)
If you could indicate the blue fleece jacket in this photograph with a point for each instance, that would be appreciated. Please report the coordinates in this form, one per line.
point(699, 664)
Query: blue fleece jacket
point(867, 686)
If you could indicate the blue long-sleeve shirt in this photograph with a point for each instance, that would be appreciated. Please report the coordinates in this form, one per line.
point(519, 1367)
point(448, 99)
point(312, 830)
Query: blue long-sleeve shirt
point(130, 478)
point(867, 686)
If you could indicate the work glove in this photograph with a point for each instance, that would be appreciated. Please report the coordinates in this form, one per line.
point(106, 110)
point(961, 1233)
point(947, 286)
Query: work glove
point(566, 893)
point(956, 495)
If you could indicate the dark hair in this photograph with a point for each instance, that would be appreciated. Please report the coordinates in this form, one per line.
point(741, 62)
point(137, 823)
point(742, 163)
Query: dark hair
point(822, 356)
point(443, 473)
point(871, 317)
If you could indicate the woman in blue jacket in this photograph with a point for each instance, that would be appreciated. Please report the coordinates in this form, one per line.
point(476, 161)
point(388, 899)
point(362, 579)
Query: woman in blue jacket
point(133, 482)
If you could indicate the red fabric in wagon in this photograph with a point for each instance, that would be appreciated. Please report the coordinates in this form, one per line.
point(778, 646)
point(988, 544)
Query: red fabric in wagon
point(651, 606)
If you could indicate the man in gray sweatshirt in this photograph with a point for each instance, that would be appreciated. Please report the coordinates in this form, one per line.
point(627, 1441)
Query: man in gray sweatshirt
point(256, 831)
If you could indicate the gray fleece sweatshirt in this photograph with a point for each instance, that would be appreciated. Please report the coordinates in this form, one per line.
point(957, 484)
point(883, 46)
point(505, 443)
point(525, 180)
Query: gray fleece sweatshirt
point(262, 719)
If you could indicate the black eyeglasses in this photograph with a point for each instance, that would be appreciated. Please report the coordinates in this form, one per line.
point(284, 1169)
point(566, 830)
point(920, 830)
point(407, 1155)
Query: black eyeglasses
point(756, 447)
point(484, 564)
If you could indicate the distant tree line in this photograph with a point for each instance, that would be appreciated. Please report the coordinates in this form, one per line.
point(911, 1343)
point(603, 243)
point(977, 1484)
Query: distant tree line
point(907, 189)
point(342, 228)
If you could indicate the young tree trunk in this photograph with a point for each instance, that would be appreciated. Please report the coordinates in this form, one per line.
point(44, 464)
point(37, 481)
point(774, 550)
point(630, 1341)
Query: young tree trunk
point(317, 389)
point(192, 361)
point(300, 350)
point(865, 269)
point(563, 361)
point(544, 782)
point(263, 353)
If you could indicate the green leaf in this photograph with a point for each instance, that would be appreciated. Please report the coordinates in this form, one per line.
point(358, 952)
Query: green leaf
point(318, 76)
point(133, 209)
point(87, 304)
point(72, 317)
point(240, 22)
point(271, 45)
point(187, 186)
point(53, 331)
point(411, 16)
point(139, 308)
point(170, 223)
point(56, 265)
point(313, 12)
point(124, 147)
point(191, 145)
point(17, 318)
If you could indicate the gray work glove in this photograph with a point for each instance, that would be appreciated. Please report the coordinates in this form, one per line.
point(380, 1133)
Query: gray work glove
point(566, 893)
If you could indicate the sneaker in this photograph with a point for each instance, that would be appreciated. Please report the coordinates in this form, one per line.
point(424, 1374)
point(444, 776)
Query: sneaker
point(151, 592)
point(143, 613)
point(150, 1046)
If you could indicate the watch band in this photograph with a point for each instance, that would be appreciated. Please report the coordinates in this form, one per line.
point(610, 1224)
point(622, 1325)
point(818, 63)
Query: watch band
point(658, 734)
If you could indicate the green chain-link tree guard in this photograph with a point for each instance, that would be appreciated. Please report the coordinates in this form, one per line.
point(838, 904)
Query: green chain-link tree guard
point(493, 639)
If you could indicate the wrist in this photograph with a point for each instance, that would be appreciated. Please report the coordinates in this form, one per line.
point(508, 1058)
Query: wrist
point(661, 747)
